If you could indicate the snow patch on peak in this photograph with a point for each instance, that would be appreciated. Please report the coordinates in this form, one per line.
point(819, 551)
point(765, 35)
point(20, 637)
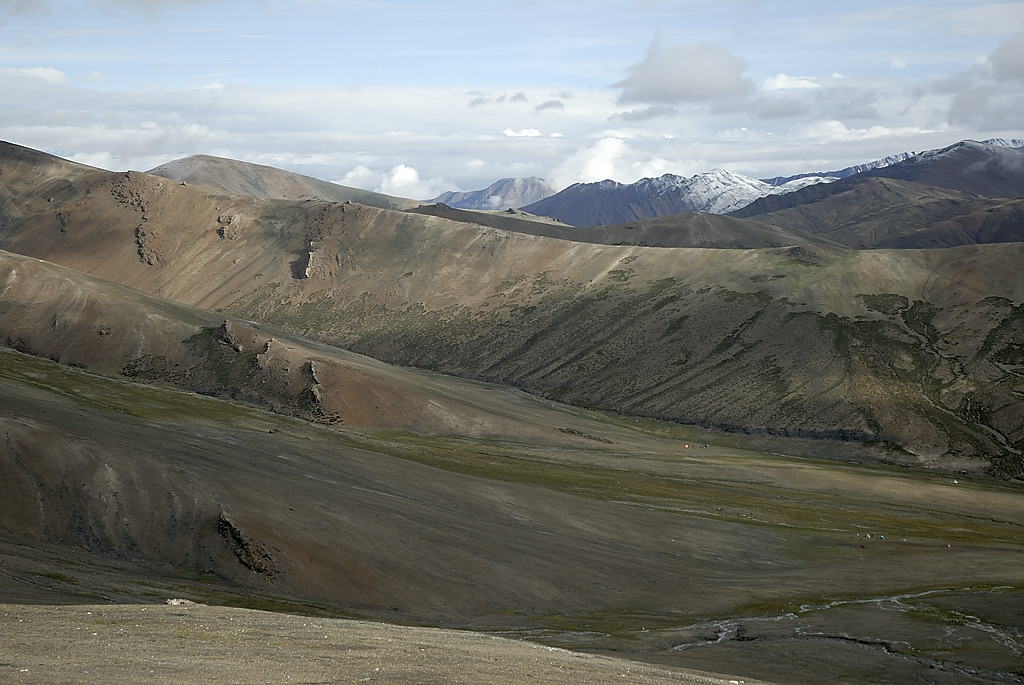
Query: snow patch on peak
point(1005, 142)
point(721, 191)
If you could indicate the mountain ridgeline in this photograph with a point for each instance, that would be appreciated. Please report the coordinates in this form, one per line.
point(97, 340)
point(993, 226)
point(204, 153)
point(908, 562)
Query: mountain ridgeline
point(721, 192)
point(506, 193)
point(912, 353)
point(608, 202)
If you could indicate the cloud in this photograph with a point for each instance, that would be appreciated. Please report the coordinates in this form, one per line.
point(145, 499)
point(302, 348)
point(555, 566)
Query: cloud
point(1008, 59)
point(550, 104)
point(836, 131)
point(992, 18)
point(685, 73)
point(415, 141)
point(987, 106)
point(779, 107)
point(153, 5)
point(498, 99)
point(592, 164)
point(854, 101)
point(786, 82)
point(898, 63)
point(615, 157)
point(989, 95)
point(25, 6)
point(22, 6)
point(524, 133)
point(400, 181)
point(48, 74)
point(645, 113)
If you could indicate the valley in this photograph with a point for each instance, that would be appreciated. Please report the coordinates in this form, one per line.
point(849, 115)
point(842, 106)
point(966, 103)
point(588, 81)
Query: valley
point(641, 545)
point(778, 458)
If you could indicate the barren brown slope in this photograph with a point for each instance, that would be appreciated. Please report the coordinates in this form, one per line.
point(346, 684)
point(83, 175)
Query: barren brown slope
point(31, 180)
point(677, 230)
point(914, 348)
point(863, 212)
point(718, 558)
point(967, 168)
point(245, 178)
point(82, 321)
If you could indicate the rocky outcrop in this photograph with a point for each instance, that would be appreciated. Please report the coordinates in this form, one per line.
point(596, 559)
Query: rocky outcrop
point(250, 553)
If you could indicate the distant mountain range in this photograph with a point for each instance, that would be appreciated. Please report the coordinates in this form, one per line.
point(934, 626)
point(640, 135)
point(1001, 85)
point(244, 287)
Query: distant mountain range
point(848, 171)
point(505, 193)
point(991, 169)
point(719, 191)
point(605, 203)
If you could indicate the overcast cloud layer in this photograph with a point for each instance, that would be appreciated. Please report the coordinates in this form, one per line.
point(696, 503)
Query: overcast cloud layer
point(413, 98)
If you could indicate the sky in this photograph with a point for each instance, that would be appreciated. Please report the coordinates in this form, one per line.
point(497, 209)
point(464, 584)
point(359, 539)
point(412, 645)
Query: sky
point(414, 98)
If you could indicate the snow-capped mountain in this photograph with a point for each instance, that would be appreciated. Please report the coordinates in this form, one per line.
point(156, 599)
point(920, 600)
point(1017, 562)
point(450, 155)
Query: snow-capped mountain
point(1004, 142)
point(846, 172)
point(992, 169)
point(886, 162)
point(720, 191)
point(502, 194)
point(608, 202)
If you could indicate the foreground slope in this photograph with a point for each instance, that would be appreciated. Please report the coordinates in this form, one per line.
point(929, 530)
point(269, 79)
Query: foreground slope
point(912, 349)
point(717, 558)
point(186, 642)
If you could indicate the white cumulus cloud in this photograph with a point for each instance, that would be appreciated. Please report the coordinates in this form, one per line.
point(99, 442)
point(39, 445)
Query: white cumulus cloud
point(401, 181)
point(523, 133)
point(787, 82)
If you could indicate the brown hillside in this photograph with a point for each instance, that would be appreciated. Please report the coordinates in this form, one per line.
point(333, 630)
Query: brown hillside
point(912, 348)
point(886, 213)
point(81, 321)
point(256, 180)
point(677, 230)
point(713, 558)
